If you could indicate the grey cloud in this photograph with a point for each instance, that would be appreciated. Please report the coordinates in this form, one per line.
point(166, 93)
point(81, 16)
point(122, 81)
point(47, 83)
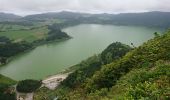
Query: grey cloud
point(92, 6)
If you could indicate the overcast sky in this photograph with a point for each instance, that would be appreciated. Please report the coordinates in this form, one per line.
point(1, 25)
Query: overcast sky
point(25, 7)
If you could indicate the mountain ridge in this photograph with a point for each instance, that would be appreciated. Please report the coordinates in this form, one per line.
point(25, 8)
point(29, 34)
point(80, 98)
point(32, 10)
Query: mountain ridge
point(148, 19)
point(8, 16)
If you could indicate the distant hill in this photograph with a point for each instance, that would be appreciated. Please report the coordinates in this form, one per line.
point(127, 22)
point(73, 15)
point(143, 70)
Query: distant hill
point(8, 17)
point(60, 15)
point(152, 19)
point(149, 19)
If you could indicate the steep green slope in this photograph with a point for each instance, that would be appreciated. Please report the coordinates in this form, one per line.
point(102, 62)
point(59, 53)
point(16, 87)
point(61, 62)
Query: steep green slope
point(87, 68)
point(147, 54)
point(6, 80)
point(143, 73)
point(6, 92)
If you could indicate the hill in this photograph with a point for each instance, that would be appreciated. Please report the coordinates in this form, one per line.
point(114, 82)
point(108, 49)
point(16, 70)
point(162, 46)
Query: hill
point(60, 15)
point(8, 17)
point(149, 19)
point(141, 73)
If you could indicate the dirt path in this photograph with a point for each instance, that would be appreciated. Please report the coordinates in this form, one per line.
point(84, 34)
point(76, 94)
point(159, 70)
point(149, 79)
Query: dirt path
point(52, 82)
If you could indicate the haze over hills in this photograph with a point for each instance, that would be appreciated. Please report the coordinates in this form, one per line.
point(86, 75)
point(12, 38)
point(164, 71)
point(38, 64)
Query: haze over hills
point(150, 19)
point(8, 17)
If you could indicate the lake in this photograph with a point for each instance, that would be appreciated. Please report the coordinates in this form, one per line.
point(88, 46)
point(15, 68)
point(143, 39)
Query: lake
point(88, 39)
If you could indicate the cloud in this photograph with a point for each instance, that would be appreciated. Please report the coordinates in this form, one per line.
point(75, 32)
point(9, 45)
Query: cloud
point(92, 6)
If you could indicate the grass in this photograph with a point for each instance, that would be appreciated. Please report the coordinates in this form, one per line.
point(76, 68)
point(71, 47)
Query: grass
point(6, 80)
point(26, 35)
point(156, 75)
point(10, 27)
point(18, 33)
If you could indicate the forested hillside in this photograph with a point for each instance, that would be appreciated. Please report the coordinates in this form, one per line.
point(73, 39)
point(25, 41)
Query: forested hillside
point(141, 73)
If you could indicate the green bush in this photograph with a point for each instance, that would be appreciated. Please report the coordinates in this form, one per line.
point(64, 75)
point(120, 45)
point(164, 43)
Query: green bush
point(27, 86)
point(146, 91)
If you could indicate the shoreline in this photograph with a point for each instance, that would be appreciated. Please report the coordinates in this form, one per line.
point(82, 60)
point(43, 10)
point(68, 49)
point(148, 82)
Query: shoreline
point(35, 45)
point(53, 81)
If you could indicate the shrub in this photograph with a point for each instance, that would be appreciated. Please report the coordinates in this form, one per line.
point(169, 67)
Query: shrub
point(28, 86)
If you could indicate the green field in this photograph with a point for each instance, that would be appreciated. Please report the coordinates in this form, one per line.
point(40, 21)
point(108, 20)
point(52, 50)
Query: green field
point(18, 33)
point(10, 27)
point(28, 35)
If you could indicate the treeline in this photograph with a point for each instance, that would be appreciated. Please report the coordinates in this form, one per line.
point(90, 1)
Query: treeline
point(55, 33)
point(8, 48)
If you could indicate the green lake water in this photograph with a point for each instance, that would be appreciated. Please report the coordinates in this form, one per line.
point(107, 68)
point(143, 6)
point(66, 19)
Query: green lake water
point(88, 39)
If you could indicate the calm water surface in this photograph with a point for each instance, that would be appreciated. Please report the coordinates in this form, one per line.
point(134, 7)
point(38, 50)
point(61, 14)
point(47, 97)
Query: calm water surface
point(88, 39)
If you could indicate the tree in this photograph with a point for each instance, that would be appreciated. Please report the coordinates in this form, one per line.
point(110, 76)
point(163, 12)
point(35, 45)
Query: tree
point(156, 34)
point(3, 60)
point(27, 86)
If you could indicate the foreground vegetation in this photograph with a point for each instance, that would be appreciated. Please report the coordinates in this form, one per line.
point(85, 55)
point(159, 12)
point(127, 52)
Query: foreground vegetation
point(6, 88)
point(142, 73)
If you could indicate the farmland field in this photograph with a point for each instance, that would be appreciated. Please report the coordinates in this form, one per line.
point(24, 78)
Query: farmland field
point(28, 35)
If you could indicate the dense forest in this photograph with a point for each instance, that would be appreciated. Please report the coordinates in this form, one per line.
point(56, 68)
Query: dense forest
point(55, 33)
point(120, 72)
point(9, 48)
